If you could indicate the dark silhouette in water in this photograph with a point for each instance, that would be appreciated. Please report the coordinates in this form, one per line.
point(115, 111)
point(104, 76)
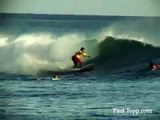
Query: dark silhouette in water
point(153, 66)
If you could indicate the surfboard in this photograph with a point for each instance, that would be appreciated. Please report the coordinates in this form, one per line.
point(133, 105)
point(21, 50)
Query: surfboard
point(85, 68)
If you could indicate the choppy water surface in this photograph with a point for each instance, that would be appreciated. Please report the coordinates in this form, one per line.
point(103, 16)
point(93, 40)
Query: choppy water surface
point(77, 97)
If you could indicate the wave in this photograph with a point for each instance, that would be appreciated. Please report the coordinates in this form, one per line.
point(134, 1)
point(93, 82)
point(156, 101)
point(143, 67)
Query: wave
point(27, 46)
point(140, 29)
point(29, 53)
point(117, 54)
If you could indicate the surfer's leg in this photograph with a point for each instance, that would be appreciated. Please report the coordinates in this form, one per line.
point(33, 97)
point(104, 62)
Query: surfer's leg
point(79, 63)
point(75, 61)
point(75, 65)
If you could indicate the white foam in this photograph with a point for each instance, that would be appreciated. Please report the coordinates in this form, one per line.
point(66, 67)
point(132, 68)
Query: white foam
point(29, 53)
point(3, 41)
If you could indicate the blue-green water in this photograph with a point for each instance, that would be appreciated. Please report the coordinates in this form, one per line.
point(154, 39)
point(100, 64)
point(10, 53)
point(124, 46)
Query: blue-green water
point(118, 88)
point(83, 96)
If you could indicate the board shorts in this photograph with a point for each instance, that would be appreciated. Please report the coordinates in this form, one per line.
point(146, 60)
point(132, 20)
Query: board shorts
point(76, 60)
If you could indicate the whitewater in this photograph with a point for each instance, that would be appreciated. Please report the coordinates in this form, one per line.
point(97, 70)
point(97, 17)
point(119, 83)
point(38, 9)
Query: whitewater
point(26, 46)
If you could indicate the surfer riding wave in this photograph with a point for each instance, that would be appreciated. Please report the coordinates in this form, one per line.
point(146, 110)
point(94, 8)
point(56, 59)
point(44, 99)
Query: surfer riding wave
point(76, 58)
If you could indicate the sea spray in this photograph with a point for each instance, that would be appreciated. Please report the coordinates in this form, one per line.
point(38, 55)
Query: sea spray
point(141, 29)
point(29, 53)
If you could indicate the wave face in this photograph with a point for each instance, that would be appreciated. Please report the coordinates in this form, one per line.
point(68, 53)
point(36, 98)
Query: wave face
point(122, 53)
point(30, 45)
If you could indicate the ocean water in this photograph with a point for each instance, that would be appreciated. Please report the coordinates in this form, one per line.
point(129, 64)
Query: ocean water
point(83, 96)
point(120, 88)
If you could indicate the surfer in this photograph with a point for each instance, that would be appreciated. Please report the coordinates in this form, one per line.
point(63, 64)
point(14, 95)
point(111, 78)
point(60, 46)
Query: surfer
point(76, 58)
point(153, 66)
point(55, 77)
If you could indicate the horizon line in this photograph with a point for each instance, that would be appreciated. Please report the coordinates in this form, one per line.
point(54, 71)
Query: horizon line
point(61, 14)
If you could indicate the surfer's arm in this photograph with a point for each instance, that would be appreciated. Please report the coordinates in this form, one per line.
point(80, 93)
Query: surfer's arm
point(85, 55)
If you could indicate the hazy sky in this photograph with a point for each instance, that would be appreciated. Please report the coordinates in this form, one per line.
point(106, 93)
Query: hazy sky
point(93, 7)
